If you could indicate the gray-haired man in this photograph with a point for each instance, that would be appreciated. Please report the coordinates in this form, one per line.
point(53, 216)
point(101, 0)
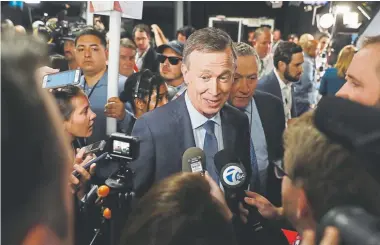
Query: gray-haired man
point(198, 118)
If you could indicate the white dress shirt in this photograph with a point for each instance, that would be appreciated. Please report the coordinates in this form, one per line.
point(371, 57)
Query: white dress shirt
point(286, 91)
point(140, 58)
point(197, 121)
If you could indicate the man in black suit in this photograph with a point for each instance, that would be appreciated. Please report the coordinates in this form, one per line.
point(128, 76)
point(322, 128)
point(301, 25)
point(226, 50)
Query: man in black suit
point(146, 56)
point(288, 60)
point(267, 123)
point(198, 118)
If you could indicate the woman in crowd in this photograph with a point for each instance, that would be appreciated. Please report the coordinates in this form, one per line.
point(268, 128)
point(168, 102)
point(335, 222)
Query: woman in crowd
point(143, 92)
point(186, 208)
point(334, 78)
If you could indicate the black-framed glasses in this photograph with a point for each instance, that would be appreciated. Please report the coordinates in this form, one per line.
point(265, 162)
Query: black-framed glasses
point(279, 169)
point(172, 60)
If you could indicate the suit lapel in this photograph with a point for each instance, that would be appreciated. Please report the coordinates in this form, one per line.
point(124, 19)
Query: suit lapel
point(181, 124)
point(276, 86)
point(228, 130)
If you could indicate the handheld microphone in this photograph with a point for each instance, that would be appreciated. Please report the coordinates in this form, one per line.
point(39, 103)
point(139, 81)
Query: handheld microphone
point(355, 126)
point(194, 160)
point(355, 225)
point(87, 165)
point(233, 176)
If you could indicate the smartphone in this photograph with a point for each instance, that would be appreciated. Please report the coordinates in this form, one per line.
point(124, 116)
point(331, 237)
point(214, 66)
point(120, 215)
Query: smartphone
point(88, 165)
point(98, 146)
point(62, 79)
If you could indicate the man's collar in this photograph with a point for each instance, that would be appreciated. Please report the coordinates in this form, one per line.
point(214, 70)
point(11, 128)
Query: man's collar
point(196, 118)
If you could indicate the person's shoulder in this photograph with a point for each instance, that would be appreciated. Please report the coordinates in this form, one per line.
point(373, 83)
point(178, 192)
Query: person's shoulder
point(234, 113)
point(261, 95)
point(161, 113)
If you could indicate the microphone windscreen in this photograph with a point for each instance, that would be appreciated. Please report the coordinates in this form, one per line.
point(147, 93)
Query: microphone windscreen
point(355, 126)
point(222, 158)
point(193, 160)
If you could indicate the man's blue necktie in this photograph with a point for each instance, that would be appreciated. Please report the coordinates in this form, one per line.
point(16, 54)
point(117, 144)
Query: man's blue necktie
point(210, 148)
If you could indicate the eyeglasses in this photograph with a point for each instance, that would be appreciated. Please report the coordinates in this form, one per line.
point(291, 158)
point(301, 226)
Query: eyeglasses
point(279, 170)
point(172, 60)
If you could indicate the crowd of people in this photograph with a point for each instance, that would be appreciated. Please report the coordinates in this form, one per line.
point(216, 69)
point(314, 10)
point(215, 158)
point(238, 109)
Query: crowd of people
point(254, 99)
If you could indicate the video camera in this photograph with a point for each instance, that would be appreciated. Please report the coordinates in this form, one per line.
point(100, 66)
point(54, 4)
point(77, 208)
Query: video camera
point(106, 207)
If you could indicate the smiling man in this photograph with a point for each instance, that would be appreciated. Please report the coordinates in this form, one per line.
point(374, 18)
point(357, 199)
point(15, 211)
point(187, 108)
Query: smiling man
point(198, 118)
point(267, 125)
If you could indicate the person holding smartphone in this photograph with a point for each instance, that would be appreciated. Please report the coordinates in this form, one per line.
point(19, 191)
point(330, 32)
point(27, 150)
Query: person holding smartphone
point(78, 120)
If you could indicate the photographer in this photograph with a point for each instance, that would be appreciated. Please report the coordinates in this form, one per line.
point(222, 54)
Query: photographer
point(318, 174)
point(151, 93)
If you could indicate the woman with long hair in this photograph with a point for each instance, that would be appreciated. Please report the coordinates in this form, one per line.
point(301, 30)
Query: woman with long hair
point(334, 78)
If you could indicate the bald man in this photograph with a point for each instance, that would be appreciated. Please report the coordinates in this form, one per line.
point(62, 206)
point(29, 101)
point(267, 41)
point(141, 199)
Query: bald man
point(20, 30)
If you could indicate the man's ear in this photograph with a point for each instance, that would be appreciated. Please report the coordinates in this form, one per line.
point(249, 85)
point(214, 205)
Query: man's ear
point(303, 208)
point(184, 71)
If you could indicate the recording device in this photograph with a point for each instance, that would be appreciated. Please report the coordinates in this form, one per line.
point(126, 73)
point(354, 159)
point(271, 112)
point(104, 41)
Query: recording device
point(93, 148)
point(355, 226)
point(354, 126)
point(121, 146)
point(233, 177)
point(194, 160)
point(103, 229)
point(62, 79)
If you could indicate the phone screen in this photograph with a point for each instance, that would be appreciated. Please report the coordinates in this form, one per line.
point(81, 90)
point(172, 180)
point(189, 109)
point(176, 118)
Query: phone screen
point(62, 79)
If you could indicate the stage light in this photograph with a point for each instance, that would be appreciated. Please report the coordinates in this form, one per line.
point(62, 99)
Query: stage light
point(326, 21)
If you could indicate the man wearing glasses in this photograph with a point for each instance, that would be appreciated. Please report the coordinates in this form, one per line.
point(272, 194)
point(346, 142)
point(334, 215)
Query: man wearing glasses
point(170, 57)
point(317, 175)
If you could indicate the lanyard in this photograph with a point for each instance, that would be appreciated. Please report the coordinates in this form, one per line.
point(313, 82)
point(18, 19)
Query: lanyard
point(92, 90)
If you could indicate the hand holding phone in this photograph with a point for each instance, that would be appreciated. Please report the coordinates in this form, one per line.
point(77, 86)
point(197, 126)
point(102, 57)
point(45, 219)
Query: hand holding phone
point(62, 79)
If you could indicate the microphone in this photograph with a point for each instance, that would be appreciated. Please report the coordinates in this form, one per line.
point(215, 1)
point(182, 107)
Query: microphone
point(194, 160)
point(355, 225)
point(233, 176)
point(355, 126)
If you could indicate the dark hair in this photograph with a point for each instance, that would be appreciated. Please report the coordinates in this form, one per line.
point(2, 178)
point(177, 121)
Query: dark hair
point(92, 32)
point(323, 35)
point(141, 28)
point(59, 62)
point(34, 158)
point(178, 210)
point(63, 96)
point(185, 31)
point(148, 83)
point(292, 36)
point(284, 52)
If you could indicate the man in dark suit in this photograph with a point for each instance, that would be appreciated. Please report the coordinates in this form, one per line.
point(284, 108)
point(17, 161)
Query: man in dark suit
point(198, 118)
point(146, 57)
point(267, 123)
point(288, 60)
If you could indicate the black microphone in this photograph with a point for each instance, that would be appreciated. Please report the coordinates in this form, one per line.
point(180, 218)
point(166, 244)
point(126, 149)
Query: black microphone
point(194, 160)
point(355, 126)
point(355, 225)
point(233, 176)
